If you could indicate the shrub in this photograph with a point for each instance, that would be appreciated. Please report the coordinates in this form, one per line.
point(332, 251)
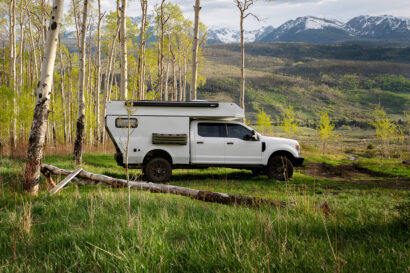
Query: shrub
point(325, 130)
point(289, 124)
point(264, 122)
point(385, 129)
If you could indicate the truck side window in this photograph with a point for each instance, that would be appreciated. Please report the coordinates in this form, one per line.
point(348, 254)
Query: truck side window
point(211, 130)
point(238, 131)
point(123, 123)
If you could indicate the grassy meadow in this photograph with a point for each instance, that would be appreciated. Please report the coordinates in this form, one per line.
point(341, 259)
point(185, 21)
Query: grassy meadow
point(85, 229)
point(364, 228)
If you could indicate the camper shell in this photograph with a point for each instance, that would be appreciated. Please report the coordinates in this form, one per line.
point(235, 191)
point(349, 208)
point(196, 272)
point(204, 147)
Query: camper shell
point(193, 134)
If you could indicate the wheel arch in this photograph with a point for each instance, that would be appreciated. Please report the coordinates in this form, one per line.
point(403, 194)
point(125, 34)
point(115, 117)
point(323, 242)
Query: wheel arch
point(157, 153)
point(285, 153)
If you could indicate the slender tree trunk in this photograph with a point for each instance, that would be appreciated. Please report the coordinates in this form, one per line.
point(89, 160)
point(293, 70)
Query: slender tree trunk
point(124, 61)
point(79, 139)
point(174, 81)
point(39, 125)
point(13, 78)
point(69, 99)
point(21, 57)
point(181, 98)
point(63, 96)
point(33, 48)
point(20, 81)
point(166, 97)
point(141, 55)
point(195, 49)
point(161, 52)
point(43, 22)
point(107, 87)
point(185, 78)
point(242, 96)
point(98, 119)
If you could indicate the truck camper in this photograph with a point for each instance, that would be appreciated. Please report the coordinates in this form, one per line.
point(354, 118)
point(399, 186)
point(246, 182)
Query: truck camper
point(195, 134)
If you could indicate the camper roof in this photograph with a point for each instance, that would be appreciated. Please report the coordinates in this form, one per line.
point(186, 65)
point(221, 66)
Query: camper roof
point(194, 109)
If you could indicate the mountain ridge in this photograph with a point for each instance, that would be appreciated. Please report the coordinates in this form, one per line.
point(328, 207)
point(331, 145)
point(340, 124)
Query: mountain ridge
point(384, 29)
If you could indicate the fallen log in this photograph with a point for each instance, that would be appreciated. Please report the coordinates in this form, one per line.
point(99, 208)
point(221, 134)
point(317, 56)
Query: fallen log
point(207, 196)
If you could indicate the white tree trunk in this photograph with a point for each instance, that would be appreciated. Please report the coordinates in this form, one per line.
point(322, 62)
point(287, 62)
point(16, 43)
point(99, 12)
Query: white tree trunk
point(166, 97)
point(242, 96)
point(161, 53)
point(13, 78)
point(124, 61)
point(97, 97)
point(33, 48)
point(39, 125)
point(107, 88)
point(141, 55)
point(195, 48)
point(63, 96)
point(79, 139)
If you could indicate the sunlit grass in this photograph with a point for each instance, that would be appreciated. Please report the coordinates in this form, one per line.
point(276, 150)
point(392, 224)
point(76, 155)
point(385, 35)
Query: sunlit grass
point(84, 229)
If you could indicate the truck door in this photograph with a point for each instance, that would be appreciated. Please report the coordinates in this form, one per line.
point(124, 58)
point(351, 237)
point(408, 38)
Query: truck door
point(207, 143)
point(240, 148)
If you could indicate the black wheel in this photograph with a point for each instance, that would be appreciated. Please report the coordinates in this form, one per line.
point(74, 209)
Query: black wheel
point(280, 168)
point(158, 169)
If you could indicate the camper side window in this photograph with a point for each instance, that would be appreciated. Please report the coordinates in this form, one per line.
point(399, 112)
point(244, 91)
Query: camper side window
point(211, 130)
point(123, 123)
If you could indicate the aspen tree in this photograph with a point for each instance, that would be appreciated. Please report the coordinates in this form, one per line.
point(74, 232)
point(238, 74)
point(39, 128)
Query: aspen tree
point(13, 78)
point(243, 6)
point(98, 91)
point(31, 39)
point(39, 125)
point(195, 48)
point(63, 96)
point(123, 40)
point(141, 54)
point(79, 138)
point(107, 89)
point(162, 21)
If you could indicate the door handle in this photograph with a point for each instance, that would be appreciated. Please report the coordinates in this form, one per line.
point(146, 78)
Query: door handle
point(230, 143)
point(199, 142)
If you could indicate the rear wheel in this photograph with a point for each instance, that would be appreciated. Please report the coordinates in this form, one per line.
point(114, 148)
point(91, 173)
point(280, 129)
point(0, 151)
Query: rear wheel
point(157, 170)
point(280, 168)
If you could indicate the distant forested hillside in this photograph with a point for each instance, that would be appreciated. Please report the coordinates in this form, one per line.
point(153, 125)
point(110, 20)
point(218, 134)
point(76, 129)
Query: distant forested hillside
point(347, 81)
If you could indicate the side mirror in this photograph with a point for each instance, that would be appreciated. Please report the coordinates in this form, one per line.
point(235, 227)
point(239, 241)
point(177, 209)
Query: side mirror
point(254, 136)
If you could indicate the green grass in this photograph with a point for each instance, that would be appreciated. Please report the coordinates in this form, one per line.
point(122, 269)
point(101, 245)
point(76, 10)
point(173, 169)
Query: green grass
point(84, 229)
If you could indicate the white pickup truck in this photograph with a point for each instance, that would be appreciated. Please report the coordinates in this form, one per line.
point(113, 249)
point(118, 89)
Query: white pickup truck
point(198, 134)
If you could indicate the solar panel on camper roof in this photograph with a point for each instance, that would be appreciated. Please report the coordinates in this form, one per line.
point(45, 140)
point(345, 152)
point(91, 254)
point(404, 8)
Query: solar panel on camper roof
point(173, 103)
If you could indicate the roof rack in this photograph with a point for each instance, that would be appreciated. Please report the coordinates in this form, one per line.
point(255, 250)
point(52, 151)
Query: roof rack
point(172, 103)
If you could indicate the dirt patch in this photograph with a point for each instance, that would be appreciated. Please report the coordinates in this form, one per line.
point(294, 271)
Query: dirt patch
point(352, 173)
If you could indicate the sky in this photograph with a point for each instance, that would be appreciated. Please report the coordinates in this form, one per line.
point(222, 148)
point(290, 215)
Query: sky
point(224, 13)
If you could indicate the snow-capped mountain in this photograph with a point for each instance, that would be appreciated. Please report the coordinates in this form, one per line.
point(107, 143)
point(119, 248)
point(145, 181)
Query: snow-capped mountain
point(227, 35)
point(307, 29)
point(379, 26)
point(372, 29)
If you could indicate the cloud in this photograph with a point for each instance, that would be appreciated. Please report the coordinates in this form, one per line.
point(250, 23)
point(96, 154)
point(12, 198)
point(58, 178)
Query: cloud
point(224, 13)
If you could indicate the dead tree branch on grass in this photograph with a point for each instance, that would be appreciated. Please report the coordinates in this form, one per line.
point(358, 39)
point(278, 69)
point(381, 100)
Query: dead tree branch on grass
point(206, 196)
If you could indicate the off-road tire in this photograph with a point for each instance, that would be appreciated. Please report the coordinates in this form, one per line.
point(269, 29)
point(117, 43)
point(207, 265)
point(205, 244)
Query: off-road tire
point(280, 168)
point(158, 170)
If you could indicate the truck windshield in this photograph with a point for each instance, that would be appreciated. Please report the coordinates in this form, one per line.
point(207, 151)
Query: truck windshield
point(211, 130)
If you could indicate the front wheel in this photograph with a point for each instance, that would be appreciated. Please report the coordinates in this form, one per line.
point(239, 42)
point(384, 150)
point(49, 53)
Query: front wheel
point(280, 168)
point(158, 170)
